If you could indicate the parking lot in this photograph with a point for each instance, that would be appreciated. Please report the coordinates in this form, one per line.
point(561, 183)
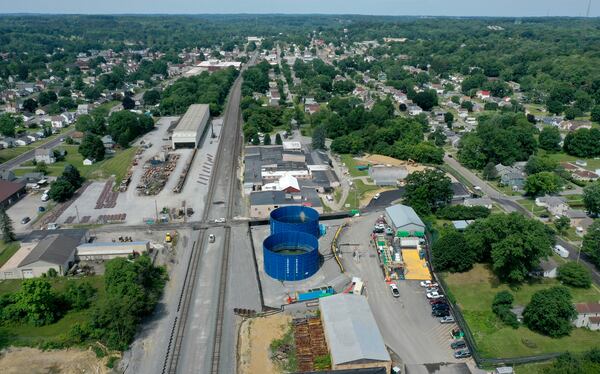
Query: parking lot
point(131, 207)
point(406, 322)
point(28, 206)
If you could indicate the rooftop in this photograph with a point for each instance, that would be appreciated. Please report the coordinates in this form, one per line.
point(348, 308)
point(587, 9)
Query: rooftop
point(7, 189)
point(351, 330)
point(403, 215)
point(54, 249)
point(588, 308)
point(192, 119)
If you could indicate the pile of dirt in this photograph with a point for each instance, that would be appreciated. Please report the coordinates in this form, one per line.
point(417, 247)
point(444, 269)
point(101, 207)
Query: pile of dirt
point(386, 160)
point(30, 360)
point(255, 338)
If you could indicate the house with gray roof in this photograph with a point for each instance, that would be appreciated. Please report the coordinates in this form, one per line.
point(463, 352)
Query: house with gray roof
point(32, 260)
point(351, 333)
point(511, 176)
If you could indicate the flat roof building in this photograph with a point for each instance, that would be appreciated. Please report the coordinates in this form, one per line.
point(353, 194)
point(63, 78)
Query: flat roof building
point(387, 175)
point(110, 250)
point(352, 334)
point(191, 126)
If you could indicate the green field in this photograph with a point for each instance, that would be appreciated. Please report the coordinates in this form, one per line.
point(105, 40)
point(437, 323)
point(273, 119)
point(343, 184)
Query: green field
point(592, 164)
point(27, 335)
point(357, 192)
point(116, 165)
point(7, 250)
point(10, 153)
point(351, 164)
point(474, 292)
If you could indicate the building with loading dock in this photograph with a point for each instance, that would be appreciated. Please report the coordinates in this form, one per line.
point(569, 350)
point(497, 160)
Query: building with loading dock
point(191, 126)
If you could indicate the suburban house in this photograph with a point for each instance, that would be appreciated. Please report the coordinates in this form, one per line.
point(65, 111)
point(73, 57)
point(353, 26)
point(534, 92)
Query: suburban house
point(483, 95)
point(547, 269)
point(7, 142)
point(108, 142)
point(414, 110)
point(511, 176)
point(83, 109)
point(588, 315)
point(45, 155)
point(10, 193)
point(584, 175)
point(88, 162)
point(58, 122)
point(34, 259)
point(557, 206)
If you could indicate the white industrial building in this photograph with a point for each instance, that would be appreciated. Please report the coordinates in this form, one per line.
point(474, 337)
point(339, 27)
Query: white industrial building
point(33, 260)
point(191, 126)
point(109, 250)
point(404, 218)
point(352, 335)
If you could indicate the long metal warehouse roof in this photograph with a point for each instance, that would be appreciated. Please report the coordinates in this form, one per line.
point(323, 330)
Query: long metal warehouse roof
point(193, 117)
point(351, 330)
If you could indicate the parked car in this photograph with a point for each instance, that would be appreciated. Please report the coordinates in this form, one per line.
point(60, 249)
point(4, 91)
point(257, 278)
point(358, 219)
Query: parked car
point(440, 313)
point(25, 220)
point(45, 197)
point(437, 301)
point(431, 289)
point(447, 319)
point(428, 284)
point(440, 307)
point(377, 196)
point(211, 238)
point(220, 220)
point(434, 295)
point(41, 209)
point(458, 345)
point(395, 291)
point(463, 353)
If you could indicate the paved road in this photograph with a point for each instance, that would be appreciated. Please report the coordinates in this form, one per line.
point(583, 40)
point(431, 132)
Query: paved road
point(30, 154)
point(509, 204)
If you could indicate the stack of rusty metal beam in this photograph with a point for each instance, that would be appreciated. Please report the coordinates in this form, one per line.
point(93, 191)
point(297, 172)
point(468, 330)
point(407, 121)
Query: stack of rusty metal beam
point(309, 337)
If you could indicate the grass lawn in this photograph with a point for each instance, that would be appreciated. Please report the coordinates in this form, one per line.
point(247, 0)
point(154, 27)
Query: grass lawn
point(530, 206)
point(575, 201)
point(116, 165)
point(357, 192)
point(592, 163)
point(27, 335)
point(474, 292)
point(7, 250)
point(351, 164)
point(10, 153)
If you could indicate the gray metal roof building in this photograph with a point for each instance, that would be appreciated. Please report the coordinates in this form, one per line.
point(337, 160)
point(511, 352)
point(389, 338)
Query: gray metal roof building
point(404, 218)
point(54, 249)
point(191, 126)
point(352, 334)
point(387, 175)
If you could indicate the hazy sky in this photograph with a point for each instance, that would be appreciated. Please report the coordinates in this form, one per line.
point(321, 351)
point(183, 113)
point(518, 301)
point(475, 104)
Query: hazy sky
point(379, 7)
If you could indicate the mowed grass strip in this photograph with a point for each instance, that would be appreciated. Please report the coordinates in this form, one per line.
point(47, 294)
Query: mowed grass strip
point(474, 292)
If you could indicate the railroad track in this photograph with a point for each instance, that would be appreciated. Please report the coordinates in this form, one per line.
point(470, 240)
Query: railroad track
point(178, 331)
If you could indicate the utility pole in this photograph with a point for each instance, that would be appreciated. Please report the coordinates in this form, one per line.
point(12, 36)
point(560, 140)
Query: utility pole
point(77, 213)
point(587, 14)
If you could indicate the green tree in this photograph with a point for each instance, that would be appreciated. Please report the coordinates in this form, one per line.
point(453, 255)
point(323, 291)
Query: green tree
point(61, 190)
point(595, 114)
point(35, 303)
point(550, 312)
point(41, 167)
point(562, 223)
point(449, 119)
point(502, 305)
point(591, 242)
point(575, 275)
point(449, 253)
point(8, 123)
point(537, 164)
point(542, 184)
point(489, 171)
point(72, 175)
point(278, 139)
point(511, 243)
point(256, 139)
point(427, 191)
point(128, 103)
point(591, 199)
point(151, 97)
point(92, 147)
point(426, 99)
point(549, 139)
point(79, 295)
point(6, 227)
point(30, 105)
point(318, 137)
point(125, 126)
point(267, 139)
point(47, 97)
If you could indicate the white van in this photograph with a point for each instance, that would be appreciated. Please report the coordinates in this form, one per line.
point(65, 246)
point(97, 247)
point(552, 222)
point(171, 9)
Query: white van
point(561, 251)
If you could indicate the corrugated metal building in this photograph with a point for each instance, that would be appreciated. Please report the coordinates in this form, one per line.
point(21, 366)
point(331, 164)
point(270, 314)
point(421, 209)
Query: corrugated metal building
point(404, 218)
point(387, 175)
point(352, 334)
point(109, 250)
point(191, 126)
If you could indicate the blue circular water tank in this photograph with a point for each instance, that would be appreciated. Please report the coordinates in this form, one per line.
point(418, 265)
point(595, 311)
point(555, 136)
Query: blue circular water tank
point(295, 218)
point(291, 255)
